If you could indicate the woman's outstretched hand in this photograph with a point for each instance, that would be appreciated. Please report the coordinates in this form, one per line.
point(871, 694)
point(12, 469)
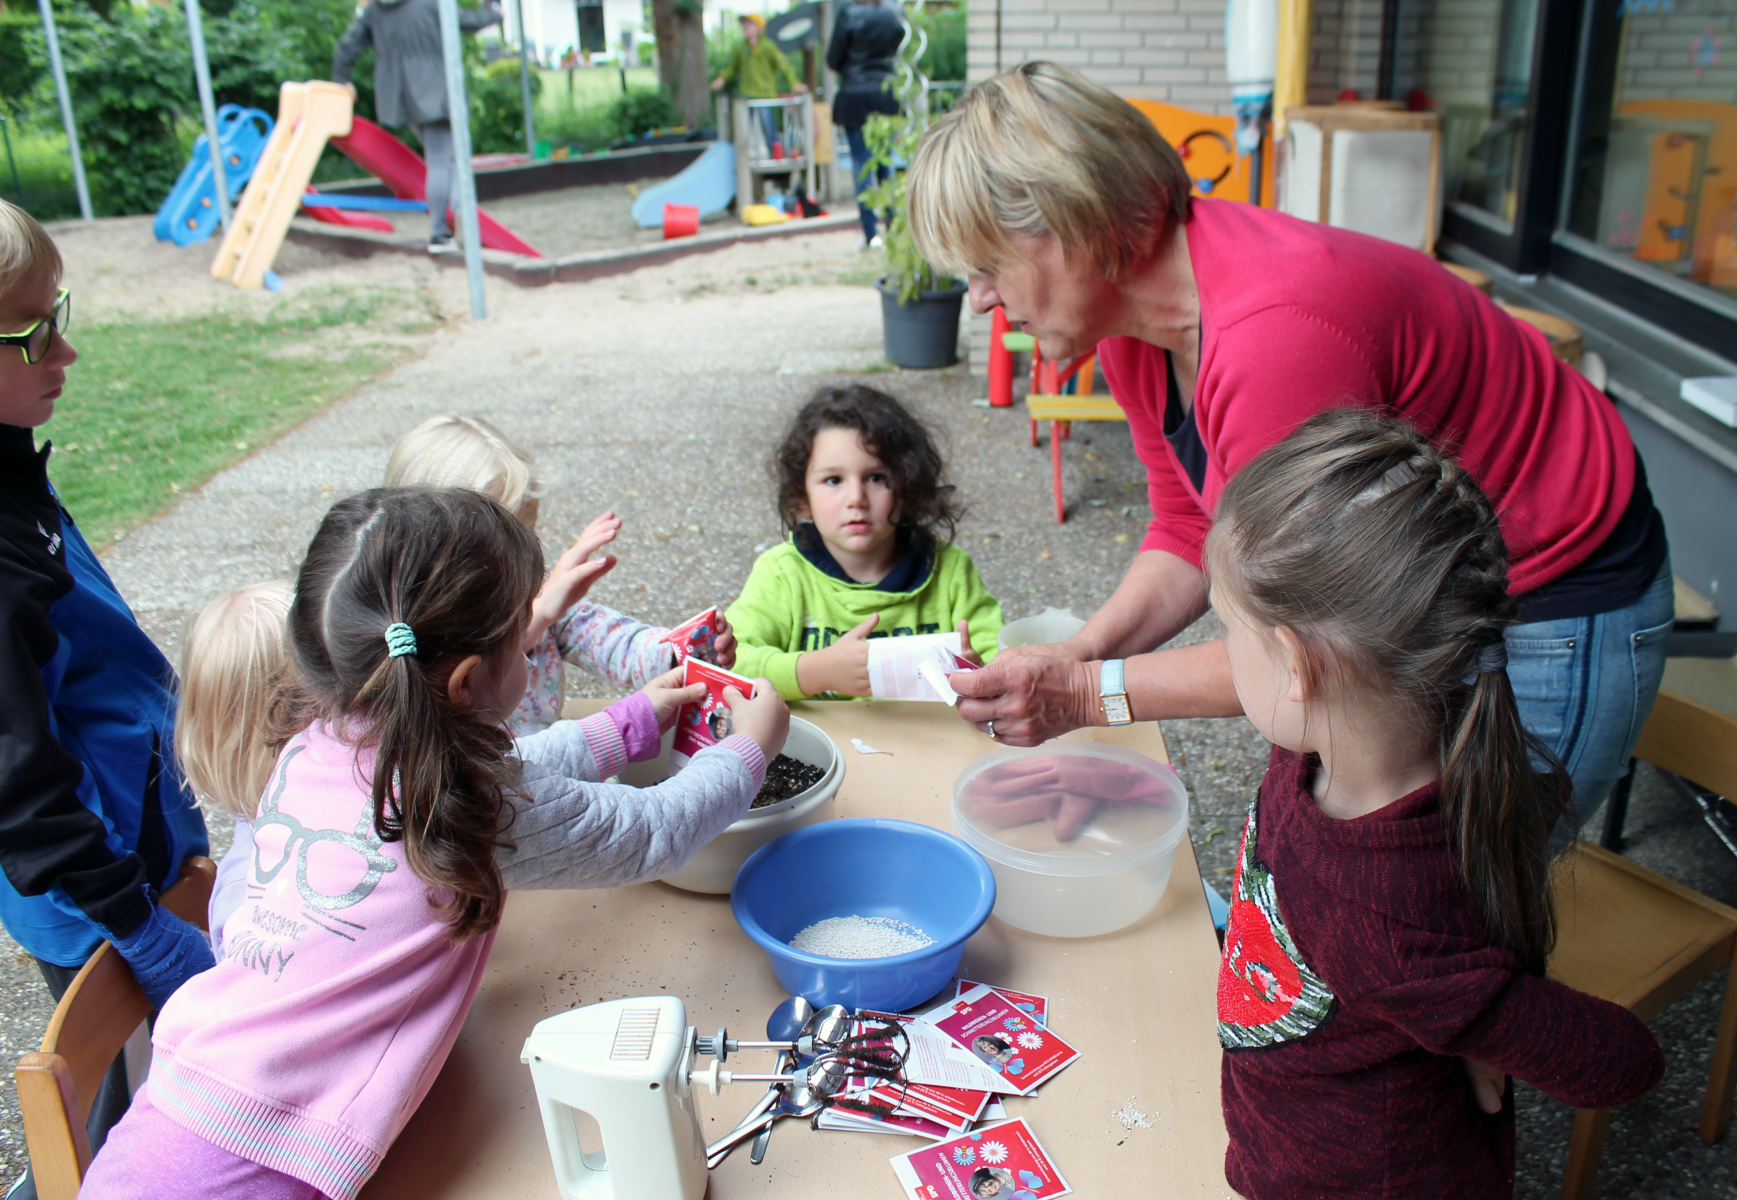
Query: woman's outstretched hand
point(1030, 695)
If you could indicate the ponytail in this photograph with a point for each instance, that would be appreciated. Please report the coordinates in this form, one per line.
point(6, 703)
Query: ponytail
point(1379, 552)
point(1500, 812)
point(400, 585)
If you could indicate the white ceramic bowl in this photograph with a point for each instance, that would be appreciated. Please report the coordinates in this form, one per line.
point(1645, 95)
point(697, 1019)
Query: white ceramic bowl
point(714, 867)
point(1047, 627)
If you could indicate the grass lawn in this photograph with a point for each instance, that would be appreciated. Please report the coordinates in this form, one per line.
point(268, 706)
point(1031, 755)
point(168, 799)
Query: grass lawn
point(597, 85)
point(153, 409)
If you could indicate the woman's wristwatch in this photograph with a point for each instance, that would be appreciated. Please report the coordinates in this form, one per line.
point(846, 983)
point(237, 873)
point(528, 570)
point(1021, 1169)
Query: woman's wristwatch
point(1113, 693)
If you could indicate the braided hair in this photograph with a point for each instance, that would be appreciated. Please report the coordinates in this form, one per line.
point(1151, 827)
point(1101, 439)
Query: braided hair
point(1385, 559)
point(399, 586)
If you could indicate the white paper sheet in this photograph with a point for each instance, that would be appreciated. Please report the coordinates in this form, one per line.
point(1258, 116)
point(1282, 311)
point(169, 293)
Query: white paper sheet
point(892, 664)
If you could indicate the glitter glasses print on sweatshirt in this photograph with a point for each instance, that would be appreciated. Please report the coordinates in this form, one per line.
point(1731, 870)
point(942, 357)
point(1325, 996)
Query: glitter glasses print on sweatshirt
point(335, 869)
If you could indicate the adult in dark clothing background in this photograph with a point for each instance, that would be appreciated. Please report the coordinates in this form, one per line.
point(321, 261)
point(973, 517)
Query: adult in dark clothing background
point(865, 40)
point(410, 87)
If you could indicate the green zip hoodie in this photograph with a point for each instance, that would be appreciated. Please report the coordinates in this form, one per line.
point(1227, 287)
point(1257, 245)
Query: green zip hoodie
point(789, 606)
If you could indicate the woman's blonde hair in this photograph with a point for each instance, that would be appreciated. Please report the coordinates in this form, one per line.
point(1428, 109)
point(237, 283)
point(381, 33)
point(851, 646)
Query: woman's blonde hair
point(467, 452)
point(1041, 150)
point(24, 247)
point(235, 671)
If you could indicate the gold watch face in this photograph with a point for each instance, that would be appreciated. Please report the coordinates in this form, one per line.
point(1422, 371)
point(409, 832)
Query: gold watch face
point(1116, 710)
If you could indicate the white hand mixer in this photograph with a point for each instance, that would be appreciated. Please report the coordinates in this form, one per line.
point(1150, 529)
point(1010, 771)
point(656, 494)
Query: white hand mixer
point(628, 1065)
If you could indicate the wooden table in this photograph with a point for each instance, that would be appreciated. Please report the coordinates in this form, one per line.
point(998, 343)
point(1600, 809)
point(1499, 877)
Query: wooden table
point(1139, 1005)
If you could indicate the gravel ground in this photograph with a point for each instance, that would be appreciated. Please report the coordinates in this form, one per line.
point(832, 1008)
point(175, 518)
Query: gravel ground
point(657, 394)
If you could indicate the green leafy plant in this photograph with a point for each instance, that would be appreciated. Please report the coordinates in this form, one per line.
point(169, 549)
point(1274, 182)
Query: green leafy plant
point(891, 142)
point(642, 110)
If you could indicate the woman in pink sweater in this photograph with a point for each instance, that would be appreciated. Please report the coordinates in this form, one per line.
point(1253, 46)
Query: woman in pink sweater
point(1221, 327)
point(396, 819)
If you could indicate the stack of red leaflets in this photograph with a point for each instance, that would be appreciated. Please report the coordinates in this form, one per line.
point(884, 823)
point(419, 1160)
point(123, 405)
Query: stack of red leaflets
point(962, 1056)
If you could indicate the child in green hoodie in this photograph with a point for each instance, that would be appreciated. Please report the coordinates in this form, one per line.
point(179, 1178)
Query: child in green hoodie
point(861, 491)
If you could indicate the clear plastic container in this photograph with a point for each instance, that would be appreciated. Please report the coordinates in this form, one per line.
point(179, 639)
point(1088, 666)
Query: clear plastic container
point(1081, 836)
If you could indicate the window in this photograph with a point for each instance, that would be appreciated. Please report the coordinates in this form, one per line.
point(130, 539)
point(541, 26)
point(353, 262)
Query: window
point(1652, 174)
point(1471, 60)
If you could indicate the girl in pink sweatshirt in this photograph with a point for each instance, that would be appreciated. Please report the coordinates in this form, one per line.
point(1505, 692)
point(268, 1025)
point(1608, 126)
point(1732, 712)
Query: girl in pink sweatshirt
point(391, 828)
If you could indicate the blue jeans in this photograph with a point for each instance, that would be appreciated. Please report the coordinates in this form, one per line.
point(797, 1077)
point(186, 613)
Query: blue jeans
point(865, 179)
point(1586, 684)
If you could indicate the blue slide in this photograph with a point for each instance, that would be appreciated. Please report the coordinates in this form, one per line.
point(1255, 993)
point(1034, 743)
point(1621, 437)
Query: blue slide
point(189, 215)
point(709, 183)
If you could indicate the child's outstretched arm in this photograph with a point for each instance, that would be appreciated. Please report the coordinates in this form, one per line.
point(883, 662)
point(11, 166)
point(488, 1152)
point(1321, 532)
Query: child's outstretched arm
point(1576, 1048)
point(574, 573)
point(579, 834)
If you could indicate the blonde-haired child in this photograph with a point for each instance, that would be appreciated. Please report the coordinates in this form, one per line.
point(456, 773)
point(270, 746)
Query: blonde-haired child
point(464, 451)
point(235, 667)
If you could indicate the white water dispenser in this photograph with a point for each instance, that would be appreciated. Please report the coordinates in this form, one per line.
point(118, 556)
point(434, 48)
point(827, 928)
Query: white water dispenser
point(625, 1064)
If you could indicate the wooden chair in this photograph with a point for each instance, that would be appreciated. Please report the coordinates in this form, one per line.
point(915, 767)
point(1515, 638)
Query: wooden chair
point(1636, 938)
point(1047, 401)
point(94, 1019)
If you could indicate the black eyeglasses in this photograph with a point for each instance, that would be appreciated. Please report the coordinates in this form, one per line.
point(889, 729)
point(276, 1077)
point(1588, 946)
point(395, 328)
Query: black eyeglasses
point(35, 340)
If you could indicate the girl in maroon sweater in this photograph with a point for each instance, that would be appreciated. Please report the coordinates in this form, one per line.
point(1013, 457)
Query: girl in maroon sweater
point(1384, 963)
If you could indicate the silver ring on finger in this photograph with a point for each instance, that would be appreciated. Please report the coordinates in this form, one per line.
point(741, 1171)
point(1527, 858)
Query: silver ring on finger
point(991, 730)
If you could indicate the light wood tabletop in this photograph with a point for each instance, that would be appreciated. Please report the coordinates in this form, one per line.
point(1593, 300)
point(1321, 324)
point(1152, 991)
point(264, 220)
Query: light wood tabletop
point(1139, 1004)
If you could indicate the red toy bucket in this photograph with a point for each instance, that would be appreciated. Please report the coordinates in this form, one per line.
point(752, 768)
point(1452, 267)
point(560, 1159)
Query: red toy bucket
point(680, 220)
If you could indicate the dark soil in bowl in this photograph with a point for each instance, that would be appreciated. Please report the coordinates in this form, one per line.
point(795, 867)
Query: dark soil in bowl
point(786, 777)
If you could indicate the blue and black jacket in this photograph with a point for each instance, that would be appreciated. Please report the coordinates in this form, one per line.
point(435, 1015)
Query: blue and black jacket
point(94, 816)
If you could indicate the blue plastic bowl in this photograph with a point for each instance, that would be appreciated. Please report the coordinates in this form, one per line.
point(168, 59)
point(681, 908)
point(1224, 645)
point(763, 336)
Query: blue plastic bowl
point(864, 867)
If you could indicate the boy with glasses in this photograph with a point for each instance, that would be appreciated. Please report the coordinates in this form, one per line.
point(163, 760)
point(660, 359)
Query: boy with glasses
point(94, 817)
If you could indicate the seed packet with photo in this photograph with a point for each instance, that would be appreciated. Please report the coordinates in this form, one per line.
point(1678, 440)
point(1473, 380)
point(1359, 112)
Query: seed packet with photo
point(695, 637)
point(1036, 1006)
point(991, 1028)
point(708, 722)
point(1002, 1162)
point(950, 1104)
point(935, 1058)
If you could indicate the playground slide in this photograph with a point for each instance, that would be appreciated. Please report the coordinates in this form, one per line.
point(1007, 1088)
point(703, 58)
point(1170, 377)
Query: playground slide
point(337, 216)
point(189, 215)
point(708, 183)
point(400, 168)
point(307, 115)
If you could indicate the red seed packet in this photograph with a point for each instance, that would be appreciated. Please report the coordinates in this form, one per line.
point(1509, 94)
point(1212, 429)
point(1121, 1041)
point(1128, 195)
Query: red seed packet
point(1036, 1006)
point(1002, 1162)
point(695, 637)
point(996, 1033)
point(708, 722)
point(936, 1059)
point(954, 1107)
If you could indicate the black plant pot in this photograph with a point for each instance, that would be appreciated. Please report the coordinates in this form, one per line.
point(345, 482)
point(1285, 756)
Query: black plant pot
point(925, 332)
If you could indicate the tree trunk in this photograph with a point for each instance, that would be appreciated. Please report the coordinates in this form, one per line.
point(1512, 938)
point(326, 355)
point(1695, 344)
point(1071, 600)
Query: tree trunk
point(681, 57)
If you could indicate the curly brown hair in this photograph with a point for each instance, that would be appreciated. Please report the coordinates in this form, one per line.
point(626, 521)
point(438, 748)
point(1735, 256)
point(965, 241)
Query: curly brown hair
point(928, 510)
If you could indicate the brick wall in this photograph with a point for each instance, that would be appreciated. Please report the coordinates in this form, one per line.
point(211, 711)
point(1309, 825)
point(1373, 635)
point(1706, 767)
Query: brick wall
point(1170, 50)
point(1657, 46)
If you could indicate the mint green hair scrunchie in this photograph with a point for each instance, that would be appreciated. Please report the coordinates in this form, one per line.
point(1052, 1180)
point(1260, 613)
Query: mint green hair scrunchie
point(400, 640)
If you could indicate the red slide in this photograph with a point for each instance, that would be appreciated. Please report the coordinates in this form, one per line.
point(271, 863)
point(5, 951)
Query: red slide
point(400, 168)
point(337, 216)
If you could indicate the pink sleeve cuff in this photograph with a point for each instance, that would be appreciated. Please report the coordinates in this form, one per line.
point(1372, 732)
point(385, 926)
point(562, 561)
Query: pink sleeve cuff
point(752, 756)
point(636, 721)
point(607, 747)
